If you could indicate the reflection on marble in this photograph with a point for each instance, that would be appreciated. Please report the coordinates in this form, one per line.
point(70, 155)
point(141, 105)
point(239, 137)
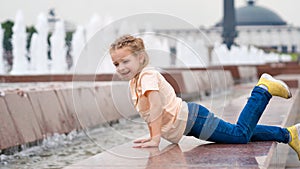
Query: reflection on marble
point(194, 153)
point(189, 153)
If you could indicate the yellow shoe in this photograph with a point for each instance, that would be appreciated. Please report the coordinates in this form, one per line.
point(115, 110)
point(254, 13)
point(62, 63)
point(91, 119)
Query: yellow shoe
point(275, 87)
point(295, 141)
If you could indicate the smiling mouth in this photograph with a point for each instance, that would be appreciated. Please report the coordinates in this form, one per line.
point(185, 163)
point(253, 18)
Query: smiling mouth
point(125, 74)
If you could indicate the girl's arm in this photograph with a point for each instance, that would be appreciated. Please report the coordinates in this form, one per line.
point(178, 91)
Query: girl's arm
point(155, 121)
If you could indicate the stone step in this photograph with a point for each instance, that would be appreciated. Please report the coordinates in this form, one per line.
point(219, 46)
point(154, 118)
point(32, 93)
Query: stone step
point(194, 153)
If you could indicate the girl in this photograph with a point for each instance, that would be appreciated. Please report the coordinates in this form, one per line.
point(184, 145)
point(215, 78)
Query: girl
point(169, 117)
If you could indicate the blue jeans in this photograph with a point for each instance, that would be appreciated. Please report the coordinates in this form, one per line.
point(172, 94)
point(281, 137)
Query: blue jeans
point(204, 125)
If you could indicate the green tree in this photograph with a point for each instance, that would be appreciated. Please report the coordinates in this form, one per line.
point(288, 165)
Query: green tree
point(7, 26)
point(69, 36)
point(30, 31)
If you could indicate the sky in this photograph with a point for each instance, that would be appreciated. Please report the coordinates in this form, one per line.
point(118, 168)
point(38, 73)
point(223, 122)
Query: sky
point(196, 12)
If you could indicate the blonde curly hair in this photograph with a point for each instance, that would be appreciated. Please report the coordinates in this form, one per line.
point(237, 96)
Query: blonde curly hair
point(135, 45)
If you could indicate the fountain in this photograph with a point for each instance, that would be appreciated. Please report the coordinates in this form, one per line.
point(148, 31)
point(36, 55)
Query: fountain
point(107, 20)
point(127, 28)
point(188, 53)
point(106, 66)
point(197, 51)
point(1, 52)
point(39, 63)
point(58, 49)
point(219, 54)
point(85, 57)
point(78, 42)
point(93, 26)
point(158, 52)
point(20, 62)
point(192, 52)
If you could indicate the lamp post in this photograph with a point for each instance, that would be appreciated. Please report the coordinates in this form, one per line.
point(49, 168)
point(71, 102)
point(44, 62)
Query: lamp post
point(229, 23)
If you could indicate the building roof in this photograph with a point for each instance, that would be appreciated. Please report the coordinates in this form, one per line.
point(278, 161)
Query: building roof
point(253, 15)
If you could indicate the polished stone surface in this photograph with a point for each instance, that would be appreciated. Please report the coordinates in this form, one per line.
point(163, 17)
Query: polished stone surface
point(194, 153)
point(190, 153)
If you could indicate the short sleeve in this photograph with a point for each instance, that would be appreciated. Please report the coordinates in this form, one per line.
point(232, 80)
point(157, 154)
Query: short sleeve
point(149, 81)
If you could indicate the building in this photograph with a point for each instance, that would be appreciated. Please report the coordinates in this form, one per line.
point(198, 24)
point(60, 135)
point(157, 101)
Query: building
point(261, 27)
point(255, 25)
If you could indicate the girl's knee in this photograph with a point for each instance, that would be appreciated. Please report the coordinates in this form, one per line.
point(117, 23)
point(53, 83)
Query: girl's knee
point(244, 138)
point(244, 141)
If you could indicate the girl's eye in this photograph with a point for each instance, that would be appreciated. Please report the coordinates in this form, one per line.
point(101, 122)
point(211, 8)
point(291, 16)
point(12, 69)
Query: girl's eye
point(116, 64)
point(125, 61)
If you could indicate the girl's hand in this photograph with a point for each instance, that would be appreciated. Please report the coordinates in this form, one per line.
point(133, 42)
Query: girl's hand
point(150, 143)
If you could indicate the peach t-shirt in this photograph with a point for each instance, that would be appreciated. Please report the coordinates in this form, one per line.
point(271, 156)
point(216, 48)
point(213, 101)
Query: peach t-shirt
point(175, 111)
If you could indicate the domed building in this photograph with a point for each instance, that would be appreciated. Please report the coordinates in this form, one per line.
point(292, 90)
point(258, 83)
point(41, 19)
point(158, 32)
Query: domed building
point(252, 15)
point(261, 27)
point(255, 26)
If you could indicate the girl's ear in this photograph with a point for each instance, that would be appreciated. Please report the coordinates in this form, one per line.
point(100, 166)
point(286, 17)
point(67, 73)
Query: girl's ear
point(141, 57)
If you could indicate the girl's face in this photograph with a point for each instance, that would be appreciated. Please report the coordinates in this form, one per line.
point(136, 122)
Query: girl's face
point(127, 65)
